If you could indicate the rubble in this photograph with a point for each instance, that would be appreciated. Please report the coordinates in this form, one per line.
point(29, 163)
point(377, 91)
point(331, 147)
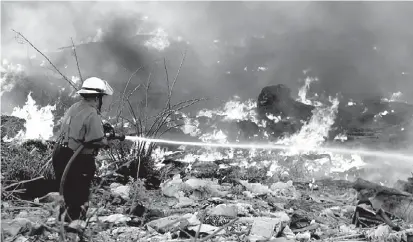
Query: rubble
point(189, 206)
point(219, 201)
point(120, 190)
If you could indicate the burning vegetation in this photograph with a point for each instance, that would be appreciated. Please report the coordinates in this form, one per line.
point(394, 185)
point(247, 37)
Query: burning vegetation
point(274, 168)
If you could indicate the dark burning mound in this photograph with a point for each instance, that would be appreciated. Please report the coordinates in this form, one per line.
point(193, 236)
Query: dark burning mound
point(277, 101)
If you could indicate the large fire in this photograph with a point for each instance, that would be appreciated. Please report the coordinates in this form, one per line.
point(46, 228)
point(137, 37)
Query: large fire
point(40, 121)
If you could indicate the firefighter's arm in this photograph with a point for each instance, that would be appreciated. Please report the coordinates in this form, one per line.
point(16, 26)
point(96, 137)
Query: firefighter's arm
point(94, 136)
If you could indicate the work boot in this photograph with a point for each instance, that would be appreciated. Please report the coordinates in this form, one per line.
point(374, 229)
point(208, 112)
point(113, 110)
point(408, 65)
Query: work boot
point(83, 211)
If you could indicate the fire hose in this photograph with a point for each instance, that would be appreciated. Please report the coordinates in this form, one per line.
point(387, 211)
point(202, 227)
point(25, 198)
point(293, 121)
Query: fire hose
point(109, 135)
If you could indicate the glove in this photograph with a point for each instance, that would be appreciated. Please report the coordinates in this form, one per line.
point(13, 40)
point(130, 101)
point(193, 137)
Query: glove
point(107, 128)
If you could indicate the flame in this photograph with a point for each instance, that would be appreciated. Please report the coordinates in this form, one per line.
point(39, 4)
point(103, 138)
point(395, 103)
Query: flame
point(314, 133)
point(232, 110)
point(39, 124)
point(395, 97)
point(311, 135)
point(39, 121)
point(302, 92)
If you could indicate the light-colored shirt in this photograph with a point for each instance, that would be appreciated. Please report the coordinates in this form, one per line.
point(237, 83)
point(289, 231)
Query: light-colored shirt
point(82, 124)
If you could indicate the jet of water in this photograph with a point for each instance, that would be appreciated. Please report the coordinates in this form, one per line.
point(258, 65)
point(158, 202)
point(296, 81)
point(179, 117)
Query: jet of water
point(266, 146)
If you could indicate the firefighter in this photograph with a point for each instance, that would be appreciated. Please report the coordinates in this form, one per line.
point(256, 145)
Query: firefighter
point(81, 125)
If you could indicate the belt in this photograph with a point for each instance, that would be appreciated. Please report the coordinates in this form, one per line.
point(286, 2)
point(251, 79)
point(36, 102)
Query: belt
point(88, 151)
point(85, 151)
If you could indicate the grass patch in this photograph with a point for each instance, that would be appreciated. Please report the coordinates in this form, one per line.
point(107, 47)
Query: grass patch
point(25, 161)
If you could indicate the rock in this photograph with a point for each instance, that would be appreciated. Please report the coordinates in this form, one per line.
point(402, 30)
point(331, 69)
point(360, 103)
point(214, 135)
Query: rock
point(224, 210)
point(171, 223)
point(264, 227)
point(281, 239)
point(248, 194)
point(255, 188)
point(104, 236)
point(120, 190)
point(288, 233)
point(192, 219)
point(166, 224)
point(305, 236)
point(184, 202)
point(206, 228)
point(380, 233)
point(284, 189)
point(256, 238)
point(77, 225)
point(51, 221)
point(16, 226)
point(172, 188)
point(128, 233)
point(268, 226)
point(115, 218)
point(35, 216)
point(21, 239)
point(210, 187)
point(244, 208)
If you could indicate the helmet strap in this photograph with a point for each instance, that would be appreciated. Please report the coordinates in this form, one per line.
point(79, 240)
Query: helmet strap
point(100, 102)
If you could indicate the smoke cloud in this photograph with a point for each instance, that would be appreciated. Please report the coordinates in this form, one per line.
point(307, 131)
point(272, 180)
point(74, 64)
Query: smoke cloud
point(358, 49)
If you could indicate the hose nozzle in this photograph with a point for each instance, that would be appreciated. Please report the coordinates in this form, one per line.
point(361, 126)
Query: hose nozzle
point(114, 136)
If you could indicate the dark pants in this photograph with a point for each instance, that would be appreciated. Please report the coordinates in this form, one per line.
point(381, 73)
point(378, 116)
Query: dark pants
point(78, 180)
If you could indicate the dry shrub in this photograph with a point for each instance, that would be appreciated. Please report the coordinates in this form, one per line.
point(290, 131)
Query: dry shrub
point(144, 121)
point(10, 126)
point(25, 161)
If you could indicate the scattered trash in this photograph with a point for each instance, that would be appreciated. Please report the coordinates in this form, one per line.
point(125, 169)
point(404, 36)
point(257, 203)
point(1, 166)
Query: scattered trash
point(224, 210)
point(16, 226)
point(164, 225)
point(77, 224)
point(207, 229)
point(120, 190)
point(271, 211)
point(115, 218)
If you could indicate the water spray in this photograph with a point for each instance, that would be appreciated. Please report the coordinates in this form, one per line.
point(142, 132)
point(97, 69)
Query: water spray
point(266, 146)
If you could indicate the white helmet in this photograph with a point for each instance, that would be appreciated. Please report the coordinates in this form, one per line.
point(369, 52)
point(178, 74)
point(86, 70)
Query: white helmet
point(94, 85)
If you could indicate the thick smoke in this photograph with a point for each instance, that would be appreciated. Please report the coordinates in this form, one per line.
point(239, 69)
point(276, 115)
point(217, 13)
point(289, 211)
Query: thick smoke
point(360, 49)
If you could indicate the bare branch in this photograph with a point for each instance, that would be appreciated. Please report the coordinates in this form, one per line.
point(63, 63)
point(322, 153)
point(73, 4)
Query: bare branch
point(168, 129)
point(122, 102)
point(166, 71)
point(77, 62)
point(148, 83)
point(134, 90)
point(176, 78)
point(64, 77)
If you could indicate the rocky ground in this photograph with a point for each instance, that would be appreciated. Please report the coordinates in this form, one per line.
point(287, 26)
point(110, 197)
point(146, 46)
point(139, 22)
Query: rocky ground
point(199, 205)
